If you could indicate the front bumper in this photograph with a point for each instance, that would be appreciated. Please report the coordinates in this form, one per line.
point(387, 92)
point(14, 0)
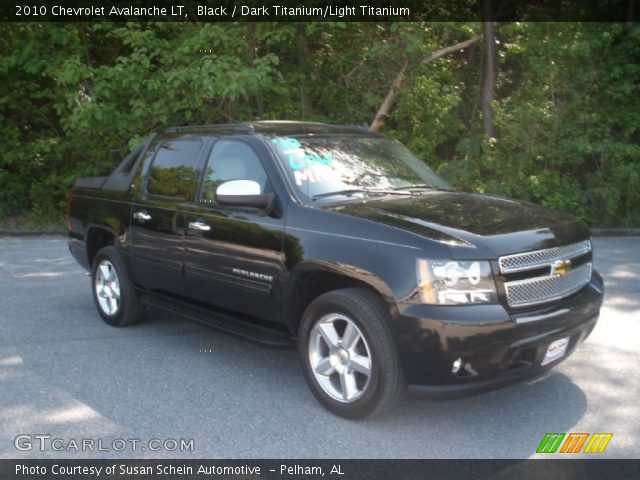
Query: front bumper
point(497, 347)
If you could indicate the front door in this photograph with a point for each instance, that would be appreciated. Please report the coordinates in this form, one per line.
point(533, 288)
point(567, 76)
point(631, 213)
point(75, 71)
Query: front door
point(233, 256)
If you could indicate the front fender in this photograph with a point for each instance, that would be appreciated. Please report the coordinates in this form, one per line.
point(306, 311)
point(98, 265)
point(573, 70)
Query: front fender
point(353, 272)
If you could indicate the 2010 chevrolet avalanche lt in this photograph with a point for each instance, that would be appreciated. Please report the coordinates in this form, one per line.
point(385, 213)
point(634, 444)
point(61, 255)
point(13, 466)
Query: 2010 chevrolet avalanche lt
point(341, 242)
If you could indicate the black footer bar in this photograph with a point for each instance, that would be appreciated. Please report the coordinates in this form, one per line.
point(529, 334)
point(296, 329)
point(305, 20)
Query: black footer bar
point(130, 469)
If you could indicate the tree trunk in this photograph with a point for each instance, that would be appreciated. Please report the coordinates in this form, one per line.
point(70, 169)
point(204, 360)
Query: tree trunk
point(306, 106)
point(390, 98)
point(489, 82)
point(258, 104)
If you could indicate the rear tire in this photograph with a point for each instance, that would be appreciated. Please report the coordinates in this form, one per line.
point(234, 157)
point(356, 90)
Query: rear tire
point(113, 292)
point(349, 358)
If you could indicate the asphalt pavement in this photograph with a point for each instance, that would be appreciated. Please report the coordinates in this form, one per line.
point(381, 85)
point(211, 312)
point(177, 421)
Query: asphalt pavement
point(66, 375)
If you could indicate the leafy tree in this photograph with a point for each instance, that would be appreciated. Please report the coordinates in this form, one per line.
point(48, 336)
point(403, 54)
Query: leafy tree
point(566, 101)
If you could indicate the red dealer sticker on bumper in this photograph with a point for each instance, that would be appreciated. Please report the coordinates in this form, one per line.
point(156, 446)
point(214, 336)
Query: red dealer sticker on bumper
point(555, 350)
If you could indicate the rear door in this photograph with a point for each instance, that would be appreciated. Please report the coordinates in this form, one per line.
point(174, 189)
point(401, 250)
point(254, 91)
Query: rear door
point(233, 256)
point(168, 181)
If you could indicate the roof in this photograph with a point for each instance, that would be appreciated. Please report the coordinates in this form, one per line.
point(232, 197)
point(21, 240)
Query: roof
point(275, 127)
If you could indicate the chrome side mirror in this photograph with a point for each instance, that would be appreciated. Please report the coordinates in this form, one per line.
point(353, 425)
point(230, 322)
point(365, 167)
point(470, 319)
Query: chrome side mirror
point(243, 193)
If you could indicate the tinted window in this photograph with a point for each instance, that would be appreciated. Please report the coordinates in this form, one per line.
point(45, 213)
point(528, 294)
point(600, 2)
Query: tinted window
point(231, 160)
point(174, 168)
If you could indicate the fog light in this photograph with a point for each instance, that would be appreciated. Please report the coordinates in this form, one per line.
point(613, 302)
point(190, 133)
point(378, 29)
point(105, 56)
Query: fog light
point(457, 365)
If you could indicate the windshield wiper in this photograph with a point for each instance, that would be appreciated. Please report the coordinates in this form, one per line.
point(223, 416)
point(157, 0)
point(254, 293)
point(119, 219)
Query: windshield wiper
point(429, 187)
point(362, 190)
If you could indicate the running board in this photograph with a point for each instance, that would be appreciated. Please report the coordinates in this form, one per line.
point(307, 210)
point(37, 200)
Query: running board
point(221, 321)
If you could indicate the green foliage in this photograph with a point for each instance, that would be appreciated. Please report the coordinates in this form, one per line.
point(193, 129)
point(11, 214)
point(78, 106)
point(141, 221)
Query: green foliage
point(76, 97)
point(567, 112)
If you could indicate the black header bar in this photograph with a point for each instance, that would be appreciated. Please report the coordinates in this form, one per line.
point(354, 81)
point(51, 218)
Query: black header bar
point(316, 10)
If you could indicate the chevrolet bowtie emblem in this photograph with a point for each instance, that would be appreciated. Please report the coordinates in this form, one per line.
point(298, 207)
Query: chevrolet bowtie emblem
point(560, 267)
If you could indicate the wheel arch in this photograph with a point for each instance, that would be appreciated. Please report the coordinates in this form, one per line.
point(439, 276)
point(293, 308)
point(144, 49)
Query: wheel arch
point(97, 237)
point(312, 279)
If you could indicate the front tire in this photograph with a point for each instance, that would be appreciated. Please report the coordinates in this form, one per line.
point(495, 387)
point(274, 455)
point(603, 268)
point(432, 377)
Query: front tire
point(113, 292)
point(349, 358)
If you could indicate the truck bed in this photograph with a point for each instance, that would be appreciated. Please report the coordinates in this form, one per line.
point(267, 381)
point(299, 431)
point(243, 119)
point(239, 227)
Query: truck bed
point(122, 176)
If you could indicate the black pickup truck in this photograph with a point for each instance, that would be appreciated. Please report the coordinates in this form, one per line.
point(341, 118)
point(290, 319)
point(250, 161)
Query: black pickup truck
point(342, 242)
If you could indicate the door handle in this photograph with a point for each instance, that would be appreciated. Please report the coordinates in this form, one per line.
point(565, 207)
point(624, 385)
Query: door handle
point(203, 227)
point(142, 216)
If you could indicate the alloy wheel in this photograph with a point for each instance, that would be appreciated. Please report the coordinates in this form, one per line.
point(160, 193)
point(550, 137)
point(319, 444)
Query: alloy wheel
point(340, 357)
point(107, 287)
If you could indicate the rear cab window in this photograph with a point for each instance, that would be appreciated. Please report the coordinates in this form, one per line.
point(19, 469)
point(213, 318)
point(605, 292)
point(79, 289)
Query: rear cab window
point(174, 168)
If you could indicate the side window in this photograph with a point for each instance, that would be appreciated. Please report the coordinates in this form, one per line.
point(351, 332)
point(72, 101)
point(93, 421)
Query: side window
point(231, 160)
point(174, 168)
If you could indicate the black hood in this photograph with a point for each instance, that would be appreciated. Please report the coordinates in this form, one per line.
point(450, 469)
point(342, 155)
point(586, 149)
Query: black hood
point(463, 220)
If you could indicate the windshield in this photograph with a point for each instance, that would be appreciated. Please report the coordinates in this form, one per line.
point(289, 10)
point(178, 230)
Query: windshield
point(322, 166)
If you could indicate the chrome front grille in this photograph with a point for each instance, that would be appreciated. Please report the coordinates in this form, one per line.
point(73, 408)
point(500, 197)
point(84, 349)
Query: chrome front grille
point(536, 290)
point(542, 258)
point(549, 285)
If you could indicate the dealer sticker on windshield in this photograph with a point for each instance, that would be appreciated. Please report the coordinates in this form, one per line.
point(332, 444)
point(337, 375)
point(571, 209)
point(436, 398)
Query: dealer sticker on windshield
point(555, 350)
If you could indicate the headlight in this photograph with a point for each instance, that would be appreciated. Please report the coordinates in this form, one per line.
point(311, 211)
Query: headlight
point(449, 282)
